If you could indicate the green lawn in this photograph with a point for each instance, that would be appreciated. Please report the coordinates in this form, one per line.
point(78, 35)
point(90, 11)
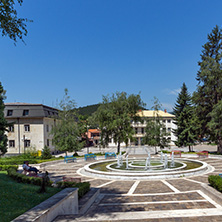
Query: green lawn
point(17, 198)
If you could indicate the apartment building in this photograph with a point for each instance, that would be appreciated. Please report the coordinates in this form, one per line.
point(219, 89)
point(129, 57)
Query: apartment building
point(139, 127)
point(30, 126)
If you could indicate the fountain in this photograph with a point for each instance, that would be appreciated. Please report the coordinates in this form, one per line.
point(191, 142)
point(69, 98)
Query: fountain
point(140, 168)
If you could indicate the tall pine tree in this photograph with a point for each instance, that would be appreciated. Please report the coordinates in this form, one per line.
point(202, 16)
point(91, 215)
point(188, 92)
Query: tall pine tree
point(209, 89)
point(3, 123)
point(184, 119)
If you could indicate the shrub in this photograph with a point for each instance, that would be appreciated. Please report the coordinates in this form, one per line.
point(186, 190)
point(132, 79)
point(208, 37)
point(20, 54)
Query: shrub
point(6, 167)
point(21, 178)
point(83, 187)
point(46, 154)
point(216, 182)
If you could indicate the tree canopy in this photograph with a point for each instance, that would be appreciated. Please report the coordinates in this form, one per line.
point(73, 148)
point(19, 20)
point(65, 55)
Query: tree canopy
point(10, 24)
point(156, 134)
point(3, 123)
point(115, 115)
point(66, 132)
point(209, 90)
point(184, 119)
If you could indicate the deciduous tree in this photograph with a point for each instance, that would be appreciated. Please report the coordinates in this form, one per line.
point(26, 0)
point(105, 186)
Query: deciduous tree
point(115, 116)
point(10, 24)
point(156, 134)
point(3, 123)
point(66, 132)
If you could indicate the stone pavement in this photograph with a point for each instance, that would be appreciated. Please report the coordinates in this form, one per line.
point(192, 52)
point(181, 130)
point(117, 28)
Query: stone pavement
point(168, 200)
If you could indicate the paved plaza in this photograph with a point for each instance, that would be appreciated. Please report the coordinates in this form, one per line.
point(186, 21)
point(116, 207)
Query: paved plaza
point(181, 199)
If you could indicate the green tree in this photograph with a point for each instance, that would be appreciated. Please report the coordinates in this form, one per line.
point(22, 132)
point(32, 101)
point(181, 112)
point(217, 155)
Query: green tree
point(10, 24)
point(215, 123)
point(3, 122)
point(209, 90)
point(46, 153)
point(156, 134)
point(184, 119)
point(115, 116)
point(66, 133)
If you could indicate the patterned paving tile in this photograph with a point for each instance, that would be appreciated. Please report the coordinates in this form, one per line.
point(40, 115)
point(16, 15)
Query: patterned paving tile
point(152, 187)
point(184, 185)
point(200, 179)
point(149, 207)
point(151, 198)
point(98, 182)
point(117, 187)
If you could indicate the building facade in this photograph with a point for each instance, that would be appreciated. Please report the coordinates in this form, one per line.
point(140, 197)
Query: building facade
point(139, 127)
point(30, 126)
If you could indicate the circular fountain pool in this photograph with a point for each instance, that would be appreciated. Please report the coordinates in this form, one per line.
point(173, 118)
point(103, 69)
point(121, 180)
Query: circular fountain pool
point(135, 169)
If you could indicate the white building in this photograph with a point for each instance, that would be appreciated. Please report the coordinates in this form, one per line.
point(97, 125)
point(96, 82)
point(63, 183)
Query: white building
point(139, 127)
point(30, 126)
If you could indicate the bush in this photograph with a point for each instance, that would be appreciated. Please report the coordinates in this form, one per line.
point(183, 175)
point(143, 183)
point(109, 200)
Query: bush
point(21, 178)
point(17, 160)
point(46, 153)
point(83, 187)
point(6, 167)
point(216, 182)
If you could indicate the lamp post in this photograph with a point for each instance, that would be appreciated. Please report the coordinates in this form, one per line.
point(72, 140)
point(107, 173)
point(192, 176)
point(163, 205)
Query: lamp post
point(24, 142)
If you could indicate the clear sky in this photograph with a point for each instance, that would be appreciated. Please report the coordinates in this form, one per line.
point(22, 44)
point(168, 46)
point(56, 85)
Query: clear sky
point(98, 47)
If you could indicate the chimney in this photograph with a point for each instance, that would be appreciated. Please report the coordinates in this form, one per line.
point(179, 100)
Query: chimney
point(165, 110)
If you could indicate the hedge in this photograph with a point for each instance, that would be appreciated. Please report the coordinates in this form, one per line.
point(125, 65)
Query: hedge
point(21, 178)
point(83, 187)
point(6, 167)
point(216, 182)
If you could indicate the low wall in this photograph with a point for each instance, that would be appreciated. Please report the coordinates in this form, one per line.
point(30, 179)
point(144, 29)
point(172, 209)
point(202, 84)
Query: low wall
point(63, 203)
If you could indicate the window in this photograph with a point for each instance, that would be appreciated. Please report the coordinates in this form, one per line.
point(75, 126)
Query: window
point(169, 139)
point(164, 120)
point(11, 128)
point(169, 129)
point(47, 128)
point(25, 112)
point(27, 143)
point(135, 130)
point(168, 120)
point(142, 130)
point(47, 142)
point(27, 128)
point(110, 140)
point(9, 112)
point(11, 143)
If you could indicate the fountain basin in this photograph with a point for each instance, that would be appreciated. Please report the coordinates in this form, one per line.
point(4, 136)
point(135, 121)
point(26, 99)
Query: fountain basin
point(118, 174)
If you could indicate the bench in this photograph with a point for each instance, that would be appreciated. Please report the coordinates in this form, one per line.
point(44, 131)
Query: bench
point(203, 154)
point(67, 158)
point(90, 156)
point(71, 179)
point(109, 154)
point(176, 153)
point(28, 173)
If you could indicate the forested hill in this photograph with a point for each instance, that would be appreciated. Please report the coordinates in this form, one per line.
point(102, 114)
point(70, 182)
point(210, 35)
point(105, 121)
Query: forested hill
point(88, 110)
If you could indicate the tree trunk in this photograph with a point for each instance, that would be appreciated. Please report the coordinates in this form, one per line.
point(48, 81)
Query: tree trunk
point(219, 146)
point(189, 148)
point(118, 147)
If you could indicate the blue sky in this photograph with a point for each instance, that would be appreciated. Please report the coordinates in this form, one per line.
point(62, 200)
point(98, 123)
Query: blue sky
point(98, 47)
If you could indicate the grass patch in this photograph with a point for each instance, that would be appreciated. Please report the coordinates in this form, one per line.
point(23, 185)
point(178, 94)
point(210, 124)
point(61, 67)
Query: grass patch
point(17, 198)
